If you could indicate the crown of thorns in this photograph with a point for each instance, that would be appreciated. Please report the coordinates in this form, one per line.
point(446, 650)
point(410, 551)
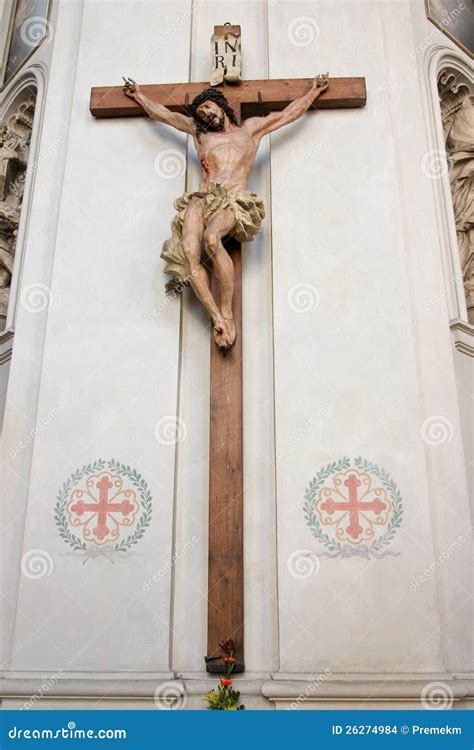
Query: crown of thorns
point(212, 95)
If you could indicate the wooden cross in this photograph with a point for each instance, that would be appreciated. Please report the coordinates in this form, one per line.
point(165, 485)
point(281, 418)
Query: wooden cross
point(225, 583)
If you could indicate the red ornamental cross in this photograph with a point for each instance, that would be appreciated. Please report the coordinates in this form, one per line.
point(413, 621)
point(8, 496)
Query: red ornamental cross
point(354, 506)
point(102, 508)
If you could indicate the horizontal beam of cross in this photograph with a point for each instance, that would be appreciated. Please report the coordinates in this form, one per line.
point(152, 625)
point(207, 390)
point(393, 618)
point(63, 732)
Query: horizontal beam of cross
point(255, 97)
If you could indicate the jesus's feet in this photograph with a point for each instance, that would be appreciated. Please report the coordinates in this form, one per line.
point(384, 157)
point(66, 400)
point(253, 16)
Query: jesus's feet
point(229, 328)
point(218, 331)
point(224, 332)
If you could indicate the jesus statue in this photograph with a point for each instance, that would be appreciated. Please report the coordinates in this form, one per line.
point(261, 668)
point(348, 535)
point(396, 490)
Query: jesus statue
point(223, 205)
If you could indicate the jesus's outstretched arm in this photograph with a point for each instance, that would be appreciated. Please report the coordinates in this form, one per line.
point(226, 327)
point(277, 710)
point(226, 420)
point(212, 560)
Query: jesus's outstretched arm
point(260, 126)
point(158, 111)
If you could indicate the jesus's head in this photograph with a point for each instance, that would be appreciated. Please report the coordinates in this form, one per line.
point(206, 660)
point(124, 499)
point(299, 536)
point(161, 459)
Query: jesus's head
point(209, 110)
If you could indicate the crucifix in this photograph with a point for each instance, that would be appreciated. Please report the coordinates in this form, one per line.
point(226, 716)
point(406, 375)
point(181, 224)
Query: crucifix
point(227, 124)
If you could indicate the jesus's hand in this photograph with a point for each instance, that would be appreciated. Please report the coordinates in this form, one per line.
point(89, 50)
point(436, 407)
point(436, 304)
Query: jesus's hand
point(130, 88)
point(320, 83)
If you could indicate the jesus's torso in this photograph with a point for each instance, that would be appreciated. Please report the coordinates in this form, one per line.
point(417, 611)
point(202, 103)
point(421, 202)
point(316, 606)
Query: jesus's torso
point(226, 157)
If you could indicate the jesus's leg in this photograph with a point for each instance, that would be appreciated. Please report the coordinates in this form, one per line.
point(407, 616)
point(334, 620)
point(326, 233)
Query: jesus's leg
point(191, 237)
point(221, 224)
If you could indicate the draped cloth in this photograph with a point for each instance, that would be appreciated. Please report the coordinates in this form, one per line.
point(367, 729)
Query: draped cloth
point(248, 210)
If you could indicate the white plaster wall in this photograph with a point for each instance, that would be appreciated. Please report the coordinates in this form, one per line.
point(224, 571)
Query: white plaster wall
point(114, 372)
point(354, 223)
point(464, 367)
point(34, 260)
point(4, 373)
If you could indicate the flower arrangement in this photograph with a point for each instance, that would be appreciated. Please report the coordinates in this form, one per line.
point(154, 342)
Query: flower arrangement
point(225, 698)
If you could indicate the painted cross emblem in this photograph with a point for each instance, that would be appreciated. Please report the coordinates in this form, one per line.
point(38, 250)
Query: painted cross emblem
point(102, 507)
point(353, 505)
point(353, 508)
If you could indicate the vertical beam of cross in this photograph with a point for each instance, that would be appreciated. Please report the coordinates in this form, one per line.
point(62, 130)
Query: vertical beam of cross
point(226, 512)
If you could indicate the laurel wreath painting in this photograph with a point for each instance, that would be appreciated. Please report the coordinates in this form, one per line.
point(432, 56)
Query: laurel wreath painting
point(140, 491)
point(388, 489)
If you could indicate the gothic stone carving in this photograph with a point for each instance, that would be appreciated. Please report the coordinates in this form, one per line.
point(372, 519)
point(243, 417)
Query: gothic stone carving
point(457, 110)
point(15, 136)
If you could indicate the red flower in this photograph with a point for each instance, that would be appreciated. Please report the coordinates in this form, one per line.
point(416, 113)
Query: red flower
point(230, 659)
point(227, 646)
point(225, 682)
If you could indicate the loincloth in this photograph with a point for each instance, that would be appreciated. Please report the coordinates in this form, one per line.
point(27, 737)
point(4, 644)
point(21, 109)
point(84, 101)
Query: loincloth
point(248, 210)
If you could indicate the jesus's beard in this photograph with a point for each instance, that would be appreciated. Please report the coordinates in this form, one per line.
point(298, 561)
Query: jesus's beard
point(216, 126)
